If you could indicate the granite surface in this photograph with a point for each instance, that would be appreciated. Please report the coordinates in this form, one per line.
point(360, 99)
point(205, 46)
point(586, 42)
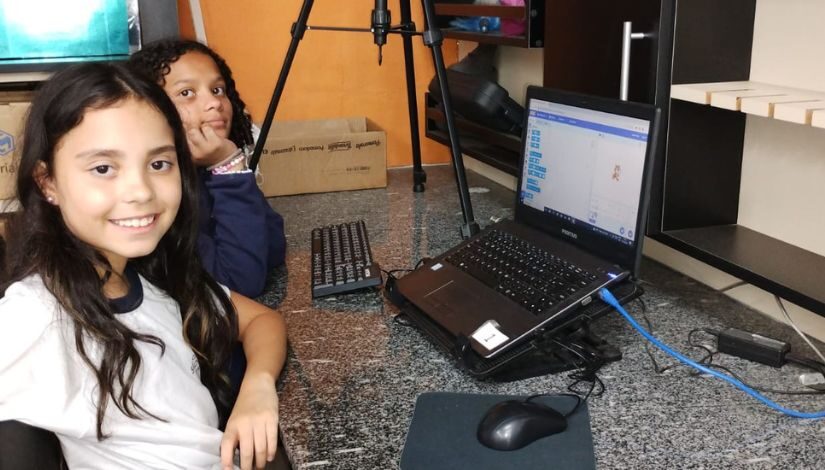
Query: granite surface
point(354, 372)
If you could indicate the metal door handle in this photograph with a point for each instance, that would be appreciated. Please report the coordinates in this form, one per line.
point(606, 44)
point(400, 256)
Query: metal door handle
point(627, 36)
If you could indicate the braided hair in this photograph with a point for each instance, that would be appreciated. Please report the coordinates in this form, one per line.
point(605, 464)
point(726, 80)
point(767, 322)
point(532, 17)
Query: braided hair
point(155, 60)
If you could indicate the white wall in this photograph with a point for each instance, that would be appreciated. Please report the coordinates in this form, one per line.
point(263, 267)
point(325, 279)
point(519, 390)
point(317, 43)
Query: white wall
point(783, 168)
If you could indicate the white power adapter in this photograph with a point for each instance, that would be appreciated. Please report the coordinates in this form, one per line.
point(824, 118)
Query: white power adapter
point(814, 380)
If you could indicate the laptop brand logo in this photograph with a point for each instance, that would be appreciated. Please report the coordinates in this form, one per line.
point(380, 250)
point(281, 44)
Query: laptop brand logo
point(570, 234)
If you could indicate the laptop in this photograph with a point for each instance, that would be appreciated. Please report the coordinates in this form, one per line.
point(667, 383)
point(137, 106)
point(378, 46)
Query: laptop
point(579, 220)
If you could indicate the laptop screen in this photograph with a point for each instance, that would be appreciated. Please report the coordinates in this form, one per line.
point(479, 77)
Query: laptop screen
point(584, 169)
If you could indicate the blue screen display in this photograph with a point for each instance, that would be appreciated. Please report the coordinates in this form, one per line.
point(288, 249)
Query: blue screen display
point(61, 30)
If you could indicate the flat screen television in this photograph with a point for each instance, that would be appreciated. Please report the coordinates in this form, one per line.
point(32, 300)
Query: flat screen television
point(44, 35)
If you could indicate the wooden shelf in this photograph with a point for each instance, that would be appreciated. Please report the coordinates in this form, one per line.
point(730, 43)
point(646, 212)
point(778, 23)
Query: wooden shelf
point(485, 38)
point(532, 12)
point(496, 157)
point(760, 99)
point(24, 77)
point(457, 9)
point(818, 118)
point(791, 272)
point(701, 173)
point(496, 149)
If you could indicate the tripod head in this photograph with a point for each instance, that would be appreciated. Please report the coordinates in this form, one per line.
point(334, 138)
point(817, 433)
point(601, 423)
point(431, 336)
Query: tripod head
point(380, 25)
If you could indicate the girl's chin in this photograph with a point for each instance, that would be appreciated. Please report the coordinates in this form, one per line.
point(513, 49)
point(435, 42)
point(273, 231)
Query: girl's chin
point(220, 128)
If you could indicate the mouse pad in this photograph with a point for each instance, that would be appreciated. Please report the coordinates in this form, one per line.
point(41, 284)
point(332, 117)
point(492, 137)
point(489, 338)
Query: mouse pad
point(443, 435)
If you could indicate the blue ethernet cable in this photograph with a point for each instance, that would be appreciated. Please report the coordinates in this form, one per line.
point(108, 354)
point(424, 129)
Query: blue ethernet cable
point(608, 297)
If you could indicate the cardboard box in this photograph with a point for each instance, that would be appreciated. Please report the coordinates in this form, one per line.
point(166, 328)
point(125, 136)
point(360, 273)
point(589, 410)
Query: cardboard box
point(13, 109)
point(323, 155)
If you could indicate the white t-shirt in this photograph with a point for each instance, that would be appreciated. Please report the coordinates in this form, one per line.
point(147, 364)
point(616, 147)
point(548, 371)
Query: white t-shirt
point(45, 383)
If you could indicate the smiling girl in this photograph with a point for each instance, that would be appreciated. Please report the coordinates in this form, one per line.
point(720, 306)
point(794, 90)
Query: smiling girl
point(112, 335)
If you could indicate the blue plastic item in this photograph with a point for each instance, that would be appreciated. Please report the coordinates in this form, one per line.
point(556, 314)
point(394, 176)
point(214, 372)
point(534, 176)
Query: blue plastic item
point(478, 24)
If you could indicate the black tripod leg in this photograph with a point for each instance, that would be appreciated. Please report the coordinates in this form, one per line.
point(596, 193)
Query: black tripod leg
point(419, 176)
point(298, 29)
point(433, 39)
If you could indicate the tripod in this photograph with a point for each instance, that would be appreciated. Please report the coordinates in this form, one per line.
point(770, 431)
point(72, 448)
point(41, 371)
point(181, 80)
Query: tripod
point(380, 27)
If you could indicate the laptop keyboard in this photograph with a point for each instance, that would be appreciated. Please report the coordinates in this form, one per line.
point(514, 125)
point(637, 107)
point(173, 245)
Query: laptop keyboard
point(527, 274)
point(342, 259)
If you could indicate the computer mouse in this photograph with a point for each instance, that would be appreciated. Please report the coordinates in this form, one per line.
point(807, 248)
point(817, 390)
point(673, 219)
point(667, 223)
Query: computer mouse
point(512, 424)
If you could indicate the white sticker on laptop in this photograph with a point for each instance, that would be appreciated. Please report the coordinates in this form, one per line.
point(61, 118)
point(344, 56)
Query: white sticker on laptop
point(436, 266)
point(488, 335)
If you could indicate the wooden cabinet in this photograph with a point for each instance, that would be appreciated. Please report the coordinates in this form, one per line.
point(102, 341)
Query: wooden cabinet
point(697, 62)
point(581, 52)
point(500, 150)
point(703, 62)
point(583, 46)
point(698, 173)
point(693, 45)
point(701, 178)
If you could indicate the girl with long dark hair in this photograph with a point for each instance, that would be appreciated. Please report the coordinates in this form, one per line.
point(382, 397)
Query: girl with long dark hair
point(112, 334)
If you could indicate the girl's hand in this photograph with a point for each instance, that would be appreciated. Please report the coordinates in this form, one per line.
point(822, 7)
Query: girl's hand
point(253, 424)
point(207, 147)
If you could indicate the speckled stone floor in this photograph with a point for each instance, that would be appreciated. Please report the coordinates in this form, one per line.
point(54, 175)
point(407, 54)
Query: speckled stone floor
point(353, 372)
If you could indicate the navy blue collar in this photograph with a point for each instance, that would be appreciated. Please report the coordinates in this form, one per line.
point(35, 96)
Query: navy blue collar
point(134, 297)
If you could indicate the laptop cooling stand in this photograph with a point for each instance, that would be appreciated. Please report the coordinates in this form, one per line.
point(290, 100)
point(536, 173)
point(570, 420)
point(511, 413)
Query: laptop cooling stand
point(569, 345)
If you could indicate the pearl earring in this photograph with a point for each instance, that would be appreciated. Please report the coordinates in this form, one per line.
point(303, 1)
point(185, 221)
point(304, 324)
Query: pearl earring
point(50, 199)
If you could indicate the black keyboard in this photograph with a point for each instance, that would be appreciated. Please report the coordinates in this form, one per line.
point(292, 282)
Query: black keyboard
point(342, 260)
point(527, 274)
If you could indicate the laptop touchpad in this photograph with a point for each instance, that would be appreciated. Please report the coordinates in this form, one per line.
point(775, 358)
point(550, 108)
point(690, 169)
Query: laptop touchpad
point(451, 302)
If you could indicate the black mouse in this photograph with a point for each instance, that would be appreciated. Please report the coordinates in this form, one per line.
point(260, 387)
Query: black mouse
point(513, 424)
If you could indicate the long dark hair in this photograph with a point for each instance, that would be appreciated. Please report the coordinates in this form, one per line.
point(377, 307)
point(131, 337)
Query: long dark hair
point(155, 59)
point(40, 243)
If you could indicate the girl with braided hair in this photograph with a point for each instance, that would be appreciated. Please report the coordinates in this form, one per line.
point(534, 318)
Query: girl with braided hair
point(241, 237)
